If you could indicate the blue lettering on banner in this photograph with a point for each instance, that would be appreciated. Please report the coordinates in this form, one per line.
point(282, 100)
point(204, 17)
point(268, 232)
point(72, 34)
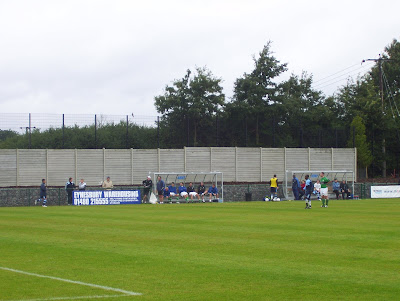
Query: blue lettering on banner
point(385, 191)
point(106, 197)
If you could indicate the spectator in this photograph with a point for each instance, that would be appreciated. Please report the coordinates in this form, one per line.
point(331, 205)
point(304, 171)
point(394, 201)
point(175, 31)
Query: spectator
point(69, 187)
point(82, 185)
point(212, 192)
point(147, 184)
point(201, 190)
point(43, 194)
point(160, 189)
point(336, 187)
point(107, 184)
point(172, 190)
point(302, 191)
point(182, 191)
point(167, 194)
point(295, 187)
point(344, 189)
point(192, 192)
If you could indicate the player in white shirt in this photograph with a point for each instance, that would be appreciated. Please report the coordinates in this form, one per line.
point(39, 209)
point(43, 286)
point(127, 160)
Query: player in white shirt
point(317, 189)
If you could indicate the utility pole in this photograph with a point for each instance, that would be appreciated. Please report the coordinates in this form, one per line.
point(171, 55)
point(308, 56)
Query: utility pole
point(379, 61)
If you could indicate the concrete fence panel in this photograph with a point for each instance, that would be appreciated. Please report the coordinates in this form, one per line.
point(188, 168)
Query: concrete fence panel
point(131, 166)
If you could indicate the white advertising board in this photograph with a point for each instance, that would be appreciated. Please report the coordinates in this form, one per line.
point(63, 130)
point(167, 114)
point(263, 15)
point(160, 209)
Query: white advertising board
point(392, 191)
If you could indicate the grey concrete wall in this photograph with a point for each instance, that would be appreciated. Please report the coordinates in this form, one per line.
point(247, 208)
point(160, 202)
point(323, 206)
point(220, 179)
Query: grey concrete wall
point(28, 167)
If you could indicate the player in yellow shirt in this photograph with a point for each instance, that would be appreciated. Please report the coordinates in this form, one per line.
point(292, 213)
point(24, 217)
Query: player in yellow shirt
point(274, 187)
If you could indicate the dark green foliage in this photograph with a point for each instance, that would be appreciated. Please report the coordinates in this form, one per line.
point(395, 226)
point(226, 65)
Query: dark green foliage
point(108, 136)
point(189, 108)
point(7, 134)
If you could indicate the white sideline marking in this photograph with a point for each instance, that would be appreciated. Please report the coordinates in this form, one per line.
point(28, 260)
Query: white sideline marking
point(107, 288)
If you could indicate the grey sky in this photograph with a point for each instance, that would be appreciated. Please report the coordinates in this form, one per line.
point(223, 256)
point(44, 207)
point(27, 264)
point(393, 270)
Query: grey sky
point(113, 57)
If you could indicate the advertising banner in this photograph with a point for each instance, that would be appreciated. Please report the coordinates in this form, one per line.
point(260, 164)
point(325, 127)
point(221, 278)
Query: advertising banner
point(106, 197)
point(385, 191)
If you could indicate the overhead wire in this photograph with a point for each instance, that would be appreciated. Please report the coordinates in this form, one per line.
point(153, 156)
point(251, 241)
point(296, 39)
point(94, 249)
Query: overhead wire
point(390, 95)
point(335, 73)
point(325, 82)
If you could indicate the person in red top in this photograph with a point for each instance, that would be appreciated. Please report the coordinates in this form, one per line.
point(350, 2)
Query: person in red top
point(302, 191)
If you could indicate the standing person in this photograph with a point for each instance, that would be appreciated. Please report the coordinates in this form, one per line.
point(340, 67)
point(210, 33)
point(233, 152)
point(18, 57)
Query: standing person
point(201, 190)
point(43, 194)
point(295, 187)
point(273, 182)
point(69, 187)
point(309, 187)
point(107, 184)
point(147, 184)
point(336, 187)
point(302, 190)
point(324, 189)
point(160, 189)
point(82, 185)
point(317, 189)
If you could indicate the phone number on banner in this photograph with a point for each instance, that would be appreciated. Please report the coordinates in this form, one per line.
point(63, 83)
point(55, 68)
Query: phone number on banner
point(106, 197)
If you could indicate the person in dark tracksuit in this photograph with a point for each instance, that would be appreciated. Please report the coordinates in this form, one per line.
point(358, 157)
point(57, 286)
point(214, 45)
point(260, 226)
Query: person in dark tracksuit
point(69, 187)
point(147, 185)
point(43, 194)
point(160, 189)
point(296, 187)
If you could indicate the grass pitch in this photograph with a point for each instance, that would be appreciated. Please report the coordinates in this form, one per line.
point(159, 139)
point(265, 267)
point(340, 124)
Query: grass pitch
point(228, 251)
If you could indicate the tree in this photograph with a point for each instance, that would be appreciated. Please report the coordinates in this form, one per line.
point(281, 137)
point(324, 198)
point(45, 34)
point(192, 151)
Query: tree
point(256, 91)
point(386, 76)
point(191, 101)
point(361, 98)
point(5, 134)
point(364, 156)
point(302, 109)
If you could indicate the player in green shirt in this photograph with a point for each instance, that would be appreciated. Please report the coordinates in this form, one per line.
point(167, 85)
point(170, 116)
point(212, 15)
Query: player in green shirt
point(324, 189)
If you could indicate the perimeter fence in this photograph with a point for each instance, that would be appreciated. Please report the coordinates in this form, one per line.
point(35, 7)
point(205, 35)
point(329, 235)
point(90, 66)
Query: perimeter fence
point(69, 131)
point(96, 129)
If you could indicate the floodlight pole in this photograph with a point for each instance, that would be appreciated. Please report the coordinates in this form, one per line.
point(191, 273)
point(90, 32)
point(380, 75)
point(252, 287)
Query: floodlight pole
point(379, 61)
point(28, 131)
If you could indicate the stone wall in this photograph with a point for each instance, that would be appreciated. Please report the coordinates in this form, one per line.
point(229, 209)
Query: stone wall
point(237, 193)
point(14, 197)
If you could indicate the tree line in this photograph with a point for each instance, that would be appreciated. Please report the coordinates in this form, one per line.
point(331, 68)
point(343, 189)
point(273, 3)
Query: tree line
point(262, 112)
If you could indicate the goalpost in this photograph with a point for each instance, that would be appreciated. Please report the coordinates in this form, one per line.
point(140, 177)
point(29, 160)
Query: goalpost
point(340, 175)
point(209, 178)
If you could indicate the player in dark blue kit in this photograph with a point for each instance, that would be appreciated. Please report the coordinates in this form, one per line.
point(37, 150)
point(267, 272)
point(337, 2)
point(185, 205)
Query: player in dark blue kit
point(43, 194)
point(308, 191)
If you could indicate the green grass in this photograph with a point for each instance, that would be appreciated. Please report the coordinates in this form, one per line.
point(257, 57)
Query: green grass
point(229, 251)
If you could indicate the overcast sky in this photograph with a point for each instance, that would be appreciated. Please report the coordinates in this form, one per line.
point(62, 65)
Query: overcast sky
point(113, 57)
